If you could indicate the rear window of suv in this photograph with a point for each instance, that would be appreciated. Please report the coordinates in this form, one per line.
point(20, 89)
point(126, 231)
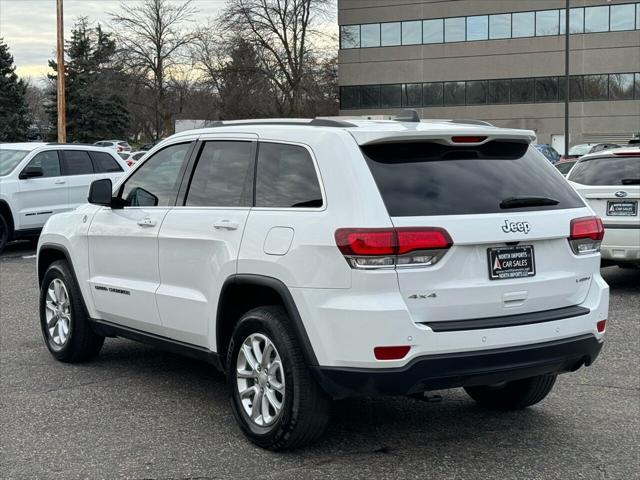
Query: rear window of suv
point(424, 178)
point(607, 171)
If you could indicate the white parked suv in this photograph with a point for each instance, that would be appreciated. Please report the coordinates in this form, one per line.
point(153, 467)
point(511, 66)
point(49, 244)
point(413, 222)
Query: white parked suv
point(609, 181)
point(38, 180)
point(328, 258)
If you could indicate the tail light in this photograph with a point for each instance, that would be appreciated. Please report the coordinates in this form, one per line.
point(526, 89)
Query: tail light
point(467, 139)
point(586, 235)
point(391, 247)
point(130, 163)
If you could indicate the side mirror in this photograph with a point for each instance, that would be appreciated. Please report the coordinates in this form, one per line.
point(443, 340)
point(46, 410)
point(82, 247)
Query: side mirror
point(100, 192)
point(31, 172)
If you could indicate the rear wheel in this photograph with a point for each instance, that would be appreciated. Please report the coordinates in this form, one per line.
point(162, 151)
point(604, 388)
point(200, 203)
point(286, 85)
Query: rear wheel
point(64, 322)
point(514, 395)
point(276, 402)
point(4, 232)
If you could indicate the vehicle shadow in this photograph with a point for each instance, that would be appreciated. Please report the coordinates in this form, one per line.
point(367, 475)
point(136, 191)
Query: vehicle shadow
point(622, 279)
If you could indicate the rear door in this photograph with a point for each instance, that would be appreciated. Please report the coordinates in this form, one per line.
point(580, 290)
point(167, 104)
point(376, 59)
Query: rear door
point(200, 238)
point(40, 197)
point(509, 255)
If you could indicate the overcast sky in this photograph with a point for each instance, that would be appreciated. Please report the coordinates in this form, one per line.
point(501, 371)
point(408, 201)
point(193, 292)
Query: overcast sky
point(29, 26)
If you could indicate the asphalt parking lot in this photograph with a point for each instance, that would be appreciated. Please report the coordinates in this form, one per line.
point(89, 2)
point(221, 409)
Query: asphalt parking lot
point(138, 412)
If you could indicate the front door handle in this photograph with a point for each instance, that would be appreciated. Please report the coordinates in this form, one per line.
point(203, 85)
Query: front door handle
point(147, 222)
point(226, 225)
point(60, 182)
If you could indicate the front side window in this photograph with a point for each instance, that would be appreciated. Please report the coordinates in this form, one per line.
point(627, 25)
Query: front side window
point(104, 163)
point(223, 176)
point(156, 182)
point(286, 177)
point(76, 162)
point(48, 161)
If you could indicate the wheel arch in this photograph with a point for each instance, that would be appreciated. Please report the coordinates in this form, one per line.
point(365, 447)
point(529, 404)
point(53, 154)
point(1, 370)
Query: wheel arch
point(49, 253)
point(254, 291)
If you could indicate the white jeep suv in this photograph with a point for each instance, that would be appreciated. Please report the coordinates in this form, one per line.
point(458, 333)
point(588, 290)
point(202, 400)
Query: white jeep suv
point(38, 180)
point(321, 259)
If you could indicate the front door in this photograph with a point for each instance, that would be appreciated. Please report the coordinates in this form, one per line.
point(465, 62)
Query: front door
point(41, 197)
point(123, 242)
point(199, 240)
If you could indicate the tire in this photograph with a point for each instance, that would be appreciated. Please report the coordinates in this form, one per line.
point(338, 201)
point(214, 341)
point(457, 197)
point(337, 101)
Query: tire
point(4, 232)
point(514, 395)
point(80, 342)
point(304, 406)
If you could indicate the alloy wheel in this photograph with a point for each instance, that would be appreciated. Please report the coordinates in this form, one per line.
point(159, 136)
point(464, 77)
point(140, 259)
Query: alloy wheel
point(58, 312)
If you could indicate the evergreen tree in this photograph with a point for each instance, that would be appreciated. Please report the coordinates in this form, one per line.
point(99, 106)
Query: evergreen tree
point(14, 117)
point(94, 87)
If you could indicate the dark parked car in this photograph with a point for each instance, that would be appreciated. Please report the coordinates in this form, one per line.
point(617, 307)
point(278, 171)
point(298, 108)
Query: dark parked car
point(548, 151)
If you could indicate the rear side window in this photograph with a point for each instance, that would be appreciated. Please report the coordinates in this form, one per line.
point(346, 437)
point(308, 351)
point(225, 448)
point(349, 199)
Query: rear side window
point(564, 167)
point(607, 171)
point(104, 163)
point(423, 179)
point(77, 162)
point(223, 176)
point(48, 162)
point(286, 177)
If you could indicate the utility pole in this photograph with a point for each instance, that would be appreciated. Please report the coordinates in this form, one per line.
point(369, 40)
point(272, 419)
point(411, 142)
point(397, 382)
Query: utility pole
point(62, 118)
point(566, 79)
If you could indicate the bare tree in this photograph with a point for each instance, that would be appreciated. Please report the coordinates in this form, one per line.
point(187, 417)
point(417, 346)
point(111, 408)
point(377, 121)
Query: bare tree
point(283, 32)
point(153, 36)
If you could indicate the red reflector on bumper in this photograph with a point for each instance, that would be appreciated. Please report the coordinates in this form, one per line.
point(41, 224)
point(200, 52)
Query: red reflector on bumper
point(391, 353)
point(601, 325)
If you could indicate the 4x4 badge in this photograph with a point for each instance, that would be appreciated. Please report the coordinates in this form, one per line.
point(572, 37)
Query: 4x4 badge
point(513, 227)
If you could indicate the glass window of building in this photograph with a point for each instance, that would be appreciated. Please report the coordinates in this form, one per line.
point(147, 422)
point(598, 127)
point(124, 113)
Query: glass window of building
point(596, 19)
point(622, 17)
point(477, 28)
point(596, 87)
point(370, 35)
point(498, 91)
point(454, 93)
point(370, 96)
point(523, 24)
point(476, 92)
point(390, 34)
point(433, 31)
point(432, 94)
point(637, 87)
point(546, 89)
point(638, 16)
point(390, 96)
point(500, 26)
point(621, 86)
point(454, 29)
point(576, 89)
point(412, 32)
point(350, 97)
point(547, 23)
point(412, 95)
point(350, 36)
point(522, 90)
point(576, 21)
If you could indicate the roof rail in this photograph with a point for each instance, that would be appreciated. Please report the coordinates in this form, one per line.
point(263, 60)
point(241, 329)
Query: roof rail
point(472, 122)
point(408, 115)
point(316, 122)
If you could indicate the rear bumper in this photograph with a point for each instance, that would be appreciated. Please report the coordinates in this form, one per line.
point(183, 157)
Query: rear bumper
point(621, 243)
point(433, 372)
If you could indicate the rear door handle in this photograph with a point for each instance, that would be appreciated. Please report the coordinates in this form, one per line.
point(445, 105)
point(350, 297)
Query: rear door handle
point(147, 222)
point(60, 182)
point(226, 225)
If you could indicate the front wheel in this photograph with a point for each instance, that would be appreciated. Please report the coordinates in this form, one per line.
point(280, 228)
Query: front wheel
point(276, 402)
point(64, 322)
point(514, 395)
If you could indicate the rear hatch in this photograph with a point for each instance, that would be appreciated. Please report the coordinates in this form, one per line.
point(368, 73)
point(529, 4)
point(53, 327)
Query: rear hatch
point(508, 213)
point(611, 187)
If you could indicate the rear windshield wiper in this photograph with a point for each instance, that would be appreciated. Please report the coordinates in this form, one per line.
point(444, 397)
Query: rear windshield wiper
point(630, 181)
point(522, 201)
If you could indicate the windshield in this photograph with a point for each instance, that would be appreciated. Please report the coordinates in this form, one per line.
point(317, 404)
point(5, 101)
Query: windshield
point(422, 179)
point(9, 159)
point(607, 171)
point(580, 149)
